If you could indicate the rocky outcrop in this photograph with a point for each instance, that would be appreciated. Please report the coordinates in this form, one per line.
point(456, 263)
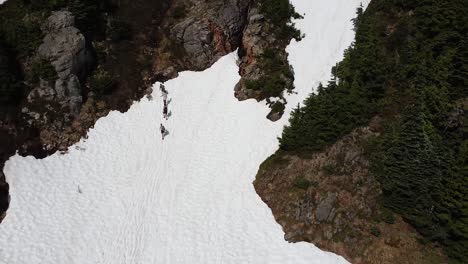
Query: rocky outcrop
point(264, 67)
point(65, 48)
point(203, 34)
point(254, 42)
point(259, 36)
point(329, 198)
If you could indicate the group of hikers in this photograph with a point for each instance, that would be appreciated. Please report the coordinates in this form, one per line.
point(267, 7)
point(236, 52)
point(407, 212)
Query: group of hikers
point(164, 94)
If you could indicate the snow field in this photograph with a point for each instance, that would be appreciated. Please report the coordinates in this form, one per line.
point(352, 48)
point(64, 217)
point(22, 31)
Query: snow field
point(125, 196)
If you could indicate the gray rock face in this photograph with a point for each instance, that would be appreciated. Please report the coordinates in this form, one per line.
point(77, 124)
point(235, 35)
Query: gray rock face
point(324, 209)
point(195, 37)
point(210, 30)
point(65, 47)
point(230, 17)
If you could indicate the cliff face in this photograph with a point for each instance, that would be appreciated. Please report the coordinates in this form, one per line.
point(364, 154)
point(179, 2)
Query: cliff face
point(76, 64)
point(194, 35)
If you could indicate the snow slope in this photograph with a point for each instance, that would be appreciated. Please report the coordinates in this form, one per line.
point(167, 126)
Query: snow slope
point(125, 196)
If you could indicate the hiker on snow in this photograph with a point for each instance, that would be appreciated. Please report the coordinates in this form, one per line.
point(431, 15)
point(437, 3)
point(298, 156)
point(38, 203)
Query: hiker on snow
point(163, 131)
point(162, 88)
point(165, 111)
point(164, 92)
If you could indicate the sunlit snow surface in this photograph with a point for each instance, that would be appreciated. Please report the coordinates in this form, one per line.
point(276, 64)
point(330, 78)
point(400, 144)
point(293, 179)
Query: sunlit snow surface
point(125, 196)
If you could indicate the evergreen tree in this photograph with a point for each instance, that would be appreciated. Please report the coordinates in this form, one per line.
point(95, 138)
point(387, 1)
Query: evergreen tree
point(411, 172)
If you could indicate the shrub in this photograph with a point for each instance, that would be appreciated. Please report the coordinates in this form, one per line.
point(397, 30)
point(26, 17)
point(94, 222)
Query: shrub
point(387, 216)
point(101, 82)
point(276, 78)
point(277, 107)
point(302, 183)
point(119, 30)
point(280, 13)
point(20, 30)
point(10, 84)
point(253, 84)
point(42, 69)
point(179, 12)
point(329, 169)
point(375, 231)
point(88, 14)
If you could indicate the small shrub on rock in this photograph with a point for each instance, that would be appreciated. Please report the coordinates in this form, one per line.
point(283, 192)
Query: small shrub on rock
point(329, 169)
point(42, 69)
point(375, 231)
point(302, 183)
point(119, 30)
point(179, 12)
point(101, 82)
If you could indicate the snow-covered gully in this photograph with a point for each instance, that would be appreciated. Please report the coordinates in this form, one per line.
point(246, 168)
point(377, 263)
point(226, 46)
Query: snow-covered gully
point(125, 196)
